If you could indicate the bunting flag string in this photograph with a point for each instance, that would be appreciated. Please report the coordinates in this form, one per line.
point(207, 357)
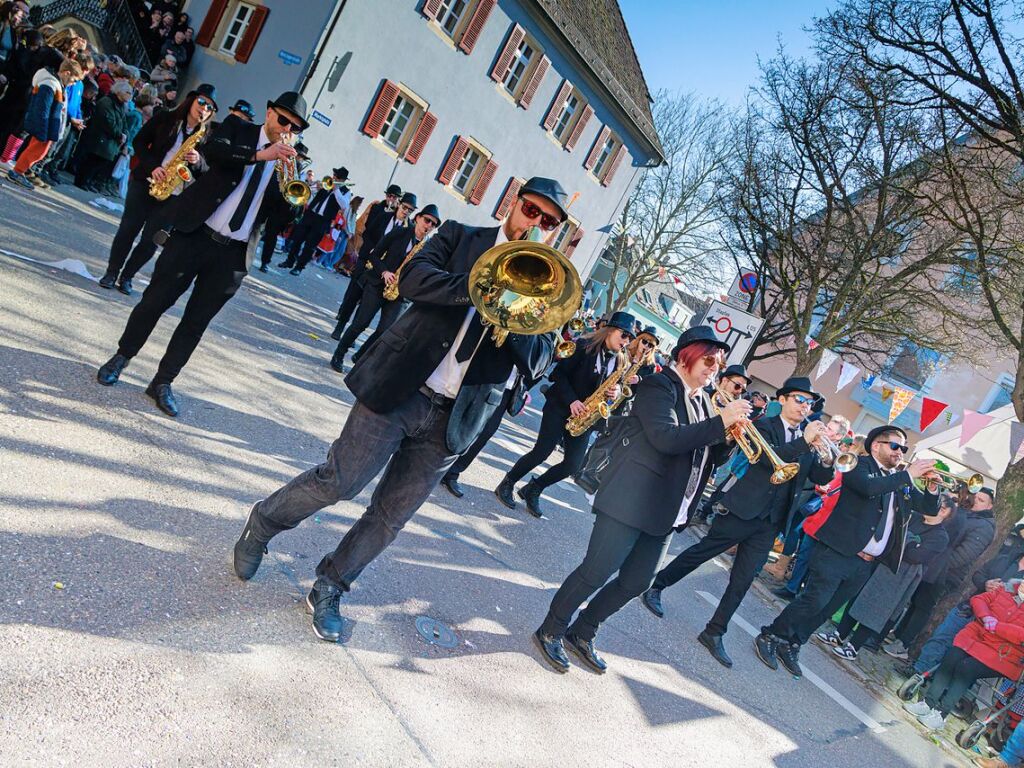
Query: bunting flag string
point(900, 400)
point(847, 373)
point(828, 357)
point(930, 410)
point(886, 392)
point(811, 343)
point(974, 422)
point(866, 382)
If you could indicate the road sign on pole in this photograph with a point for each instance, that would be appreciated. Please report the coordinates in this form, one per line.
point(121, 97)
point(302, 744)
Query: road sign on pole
point(735, 327)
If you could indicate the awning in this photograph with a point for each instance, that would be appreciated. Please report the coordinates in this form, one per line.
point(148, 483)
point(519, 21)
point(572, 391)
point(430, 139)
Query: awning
point(988, 452)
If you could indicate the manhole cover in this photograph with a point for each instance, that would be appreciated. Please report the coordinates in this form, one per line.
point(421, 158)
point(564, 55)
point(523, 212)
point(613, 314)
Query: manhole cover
point(436, 633)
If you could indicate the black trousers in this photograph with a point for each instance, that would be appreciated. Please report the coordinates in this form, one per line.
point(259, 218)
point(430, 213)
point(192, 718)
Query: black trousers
point(552, 431)
point(189, 257)
point(753, 540)
point(490, 427)
point(142, 213)
point(371, 301)
point(382, 326)
point(614, 546)
point(955, 675)
point(925, 598)
point(93, 169)
point(349, 302)
point(305, 236)
point(269, 241)
point(832, 579)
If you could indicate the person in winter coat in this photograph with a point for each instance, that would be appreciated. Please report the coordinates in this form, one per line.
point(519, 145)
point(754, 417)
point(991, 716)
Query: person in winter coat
point(12, 15)
point(16, 74)
point(46, 118)
point(991, 645)
point(104, 137)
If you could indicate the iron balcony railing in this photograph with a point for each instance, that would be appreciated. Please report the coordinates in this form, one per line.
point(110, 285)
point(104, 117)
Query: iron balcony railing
point(113, 18)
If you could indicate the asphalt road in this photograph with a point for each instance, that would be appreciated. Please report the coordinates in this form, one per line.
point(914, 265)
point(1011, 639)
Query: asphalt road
point(127, 641)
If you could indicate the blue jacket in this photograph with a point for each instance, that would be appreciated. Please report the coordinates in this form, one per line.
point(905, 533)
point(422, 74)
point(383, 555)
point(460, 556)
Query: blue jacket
point(73, 98)
point(45, 115)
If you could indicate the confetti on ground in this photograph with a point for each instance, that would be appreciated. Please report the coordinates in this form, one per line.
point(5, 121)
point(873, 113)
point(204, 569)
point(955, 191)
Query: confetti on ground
point(58, 585)
point(314, 337)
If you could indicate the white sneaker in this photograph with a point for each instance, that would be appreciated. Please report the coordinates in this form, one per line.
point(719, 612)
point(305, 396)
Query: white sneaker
point(917, 708)
point(933, 721)
point(896, 649)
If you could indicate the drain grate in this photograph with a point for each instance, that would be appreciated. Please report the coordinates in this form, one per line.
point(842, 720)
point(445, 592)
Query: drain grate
point(436, 633)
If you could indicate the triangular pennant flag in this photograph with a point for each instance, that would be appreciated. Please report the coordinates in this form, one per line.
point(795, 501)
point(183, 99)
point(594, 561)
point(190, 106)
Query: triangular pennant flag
point(1016, 441)
point(900, 400)
point(866, 382)
point(827, 358)
point(811, 343)
point(887, 391)
point(974, 422)
point(930, 410)
point(847, 373)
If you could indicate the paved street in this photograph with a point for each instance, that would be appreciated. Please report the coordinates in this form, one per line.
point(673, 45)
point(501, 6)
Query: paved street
point(128, 641)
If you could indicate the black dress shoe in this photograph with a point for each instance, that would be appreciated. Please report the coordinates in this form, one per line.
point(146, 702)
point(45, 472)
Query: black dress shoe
point(530, 493)
point(789, 657)
point(715, 647)
point(451, 482)
point(339, 328)
point(586, 651)
point(652, 599)
point(322, 601)
point(504, 492)
point(108, 280)
point(164, 398)
point(249, 551)
point(295, 271)
point(338, 365)
point(783, 592)
point(285, 265)
point(263, 268)
point(552, 650)
point(110, 371)
point(125, 286)
point(764, 647)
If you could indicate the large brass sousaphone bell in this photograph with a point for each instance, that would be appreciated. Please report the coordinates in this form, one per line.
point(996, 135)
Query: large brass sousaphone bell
point(525, 287)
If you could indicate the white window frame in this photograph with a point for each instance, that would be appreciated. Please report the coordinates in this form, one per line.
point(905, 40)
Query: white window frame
point(239, 34)
point(568, 122)
point(611, 144)
point(445, 14)
point(530, 64)
point(564, 234)
point(1003, 383)
point(419, 109)
point(479, 163)
point(398, 111)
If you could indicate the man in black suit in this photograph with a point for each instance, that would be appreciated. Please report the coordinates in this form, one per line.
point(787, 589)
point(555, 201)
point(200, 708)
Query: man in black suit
point(864, 525)
point(757, 511)
point(215, 224)
point(275, 225)
point(380, 271)
point(423, 393)
point(315, 222)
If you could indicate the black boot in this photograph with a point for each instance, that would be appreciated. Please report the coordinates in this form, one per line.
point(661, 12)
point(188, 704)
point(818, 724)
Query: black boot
point(715, 647)
point(164, 398)
point(322, 601)
point(286, 264)
point(339, 328)
point(552, 650)
point(125, 286)
point(504, 492)
point(530, 493)
point(586, 651)
point(110, 371)
point(108, 280)
point(295, 271)
point(451, 482)
point(789, 657)
point(652, 599)
point(338, 363)
point(765, 646)
point(249, 551)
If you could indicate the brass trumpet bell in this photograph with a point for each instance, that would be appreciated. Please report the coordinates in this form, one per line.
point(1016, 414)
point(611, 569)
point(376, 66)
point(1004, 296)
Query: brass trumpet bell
point(576, 324)
point(950, 481)
point(327, 182)
point(752, 442)
point(296, 192)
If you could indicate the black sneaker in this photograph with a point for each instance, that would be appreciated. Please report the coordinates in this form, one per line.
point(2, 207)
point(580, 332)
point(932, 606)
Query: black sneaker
point(504, 492)
point(530, 493)
point(552, 650)
point(263, 268)
point(110, 371)
point(789, 657)
point(322, 601)
point(249, 551)
point(764, 647)
point(108, 280)
point(125, 286)
point(652, 599)
point(586, 651)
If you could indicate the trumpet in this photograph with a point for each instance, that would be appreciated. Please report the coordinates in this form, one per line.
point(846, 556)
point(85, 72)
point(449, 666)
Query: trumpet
point(952, 482)
point(327, 182)
point(294, 191)
point(752, 442)
point(832, 455)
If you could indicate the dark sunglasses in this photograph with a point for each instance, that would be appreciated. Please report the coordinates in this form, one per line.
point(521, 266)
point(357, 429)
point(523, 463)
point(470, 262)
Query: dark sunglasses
point(739, 386)
point(803, 399)
point(533, 211)
point(712, 361)
point(433, 222)
point(284, 120)
point(204, 104)
point(407, 208)
point(898, 446)
point(647, 342)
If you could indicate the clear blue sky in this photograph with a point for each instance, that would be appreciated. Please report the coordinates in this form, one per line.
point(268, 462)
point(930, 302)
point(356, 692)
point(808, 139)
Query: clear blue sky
point(711, 47)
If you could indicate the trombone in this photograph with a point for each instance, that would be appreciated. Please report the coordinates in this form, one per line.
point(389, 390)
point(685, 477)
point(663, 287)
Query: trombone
point(952, 482)
point(752, 442)
point(832, 454)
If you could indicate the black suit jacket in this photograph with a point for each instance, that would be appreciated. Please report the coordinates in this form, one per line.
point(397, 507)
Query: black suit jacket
point(154, 140)
point(388, 255)
point(574, 378)
point(649, 468)
point(861, 508)
point(436, 281)
point(752, 495)
point(332, 205)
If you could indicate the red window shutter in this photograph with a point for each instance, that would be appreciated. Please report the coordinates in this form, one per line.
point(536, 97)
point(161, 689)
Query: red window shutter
point(577, 130)
point(595, 151)
point(535, 80)
point(420, 138)
point(573, 242)
point(379, 111)
point(211, 22)
point(476, 25)
point(252, 33)
point(511, 190)
point(613, 165)
point(454, 158)
point(556, 105)
point(480, 188)
point(504, 63)
point(430, 8)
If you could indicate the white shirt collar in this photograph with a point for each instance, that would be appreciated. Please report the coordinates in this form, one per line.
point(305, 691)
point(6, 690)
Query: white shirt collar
point(263, 140)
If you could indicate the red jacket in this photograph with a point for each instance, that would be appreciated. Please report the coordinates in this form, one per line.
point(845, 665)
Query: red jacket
point(1001, 650)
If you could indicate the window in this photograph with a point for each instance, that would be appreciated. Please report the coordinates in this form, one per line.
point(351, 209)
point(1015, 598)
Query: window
point(912, 366)
point(999, 395)
point(460, 20)
point(236, 27)
point(521, 59)
point(400, 121)
point(449, 14)
point(605, 156)
point(963, 277)
point(397, 122)
point(232, 27)
point(568, 115)
point(466, 170)
point(564, 234)
point(508, 197)
point(469, 169)
point(565, 116)
point(520, 67)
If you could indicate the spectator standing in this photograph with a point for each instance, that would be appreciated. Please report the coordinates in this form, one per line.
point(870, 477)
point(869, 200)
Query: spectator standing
point(165, 74)
point(18, 72)
point(62, 149)
point(12, 15)
point(104, 137)
point(176, 47)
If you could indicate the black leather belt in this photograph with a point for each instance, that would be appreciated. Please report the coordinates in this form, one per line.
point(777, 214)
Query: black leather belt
point(437, 399)
point(217, 237)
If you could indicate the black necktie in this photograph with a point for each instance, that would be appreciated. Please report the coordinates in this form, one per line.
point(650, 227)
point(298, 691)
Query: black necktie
point(238, 217)
point(470, 340)
point(792, 433)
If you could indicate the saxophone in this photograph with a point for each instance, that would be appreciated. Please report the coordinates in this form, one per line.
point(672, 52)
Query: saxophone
point(598, 406)
point(625, 391)
point(178, 172)
point(391, 291)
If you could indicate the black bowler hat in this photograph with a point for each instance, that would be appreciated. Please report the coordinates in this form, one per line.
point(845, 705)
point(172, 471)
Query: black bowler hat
point(409, 199)
point(245, 108)
point(737, 370)
point(699, 334)
point(874, 433)
point(207, 91)
point(797, 384)
point(430, 210)
point(294, 103)
point(624, 322)
point(340, 174)
point(550, 189)
point(393, 189)
point(651, 331)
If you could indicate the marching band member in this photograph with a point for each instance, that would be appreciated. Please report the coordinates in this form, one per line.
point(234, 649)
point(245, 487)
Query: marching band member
point(757, 511)
point(667, 449)
point(866, 524)
point(320, 212)
point(212, 223)
point(573, 381)
point(735, 380)
point(276, 224)
point(423, 393)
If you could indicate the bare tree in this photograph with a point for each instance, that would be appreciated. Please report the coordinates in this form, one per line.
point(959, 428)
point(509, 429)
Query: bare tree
point(667, 225)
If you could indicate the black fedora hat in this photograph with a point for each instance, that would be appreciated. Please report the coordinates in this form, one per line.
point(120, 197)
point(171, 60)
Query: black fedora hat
point(549, 188)
point(393, 189)
point(409, 198)
point(878, 431)
point(294, 103)
point(651, 331)
point(244, 107)
point(737, 370)
point(797, 384)
point(699, 334)
point(340, 174)
point(207, 91)
point(429, 210)
point(623, 321)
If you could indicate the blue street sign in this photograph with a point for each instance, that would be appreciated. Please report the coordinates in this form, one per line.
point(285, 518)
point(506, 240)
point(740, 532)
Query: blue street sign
point(288, 58)
point(321, 118)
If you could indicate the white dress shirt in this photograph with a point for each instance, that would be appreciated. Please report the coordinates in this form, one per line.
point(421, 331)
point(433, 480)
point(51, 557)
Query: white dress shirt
point(876, 547)
point(447, 377)
point(697, 410)
point(220, 221)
